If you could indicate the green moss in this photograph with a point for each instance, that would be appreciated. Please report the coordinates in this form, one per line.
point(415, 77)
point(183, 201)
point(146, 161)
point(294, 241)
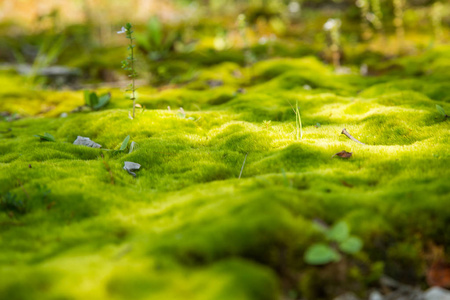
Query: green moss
point(187, 218)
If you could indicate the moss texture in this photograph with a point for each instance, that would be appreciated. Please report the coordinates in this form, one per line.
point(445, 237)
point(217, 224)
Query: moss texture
point(187, 227)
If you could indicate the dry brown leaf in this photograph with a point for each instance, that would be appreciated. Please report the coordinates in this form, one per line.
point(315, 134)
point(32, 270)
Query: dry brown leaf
point(438, 273)
point(343, 154)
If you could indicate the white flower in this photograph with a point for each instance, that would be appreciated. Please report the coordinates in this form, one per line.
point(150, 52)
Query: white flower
point(123, 30)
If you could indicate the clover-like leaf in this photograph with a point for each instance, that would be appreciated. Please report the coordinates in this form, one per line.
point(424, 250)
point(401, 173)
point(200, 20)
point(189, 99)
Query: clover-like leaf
point(351, 245)
point(320, 254)
point(339, 232)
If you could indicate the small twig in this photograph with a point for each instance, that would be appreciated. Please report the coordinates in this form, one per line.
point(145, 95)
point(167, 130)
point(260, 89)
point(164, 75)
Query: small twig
point(242, 169)
point(344, 131)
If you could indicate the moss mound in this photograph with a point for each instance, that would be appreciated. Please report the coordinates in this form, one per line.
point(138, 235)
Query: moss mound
point(75, 225)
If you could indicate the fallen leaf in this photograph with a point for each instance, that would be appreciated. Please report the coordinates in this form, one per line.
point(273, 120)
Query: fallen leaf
point(343, 154)
point(438, 273)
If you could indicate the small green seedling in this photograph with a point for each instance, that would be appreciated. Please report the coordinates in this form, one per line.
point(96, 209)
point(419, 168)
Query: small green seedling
point(182, 115)
point(47, 137)
point(266, 124)
point(95, 102)
point(129, 64)
point(124, 144)
point(123, 147)
point(298, 121)
point(441, 111)
point(339, 240)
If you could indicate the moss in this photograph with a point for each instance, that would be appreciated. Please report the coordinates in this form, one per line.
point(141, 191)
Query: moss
point(187, 217)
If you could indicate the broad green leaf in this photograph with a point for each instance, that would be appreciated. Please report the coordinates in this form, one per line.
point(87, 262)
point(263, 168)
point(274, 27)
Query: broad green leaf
point(351, 245)
point(320, 254)
point(102, 101)
point(441, 110)
point(125, 143)
point(93, 99)
point(87, 99)
point(339, 232)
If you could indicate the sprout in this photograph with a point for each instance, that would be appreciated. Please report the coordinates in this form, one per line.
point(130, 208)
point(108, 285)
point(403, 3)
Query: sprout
point(129, 65)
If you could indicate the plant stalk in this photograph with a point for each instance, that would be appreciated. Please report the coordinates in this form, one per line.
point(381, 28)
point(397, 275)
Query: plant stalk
point(344, 131)
point(242, 169)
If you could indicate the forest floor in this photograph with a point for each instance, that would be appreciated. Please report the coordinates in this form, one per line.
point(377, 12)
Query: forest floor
point(75, 225)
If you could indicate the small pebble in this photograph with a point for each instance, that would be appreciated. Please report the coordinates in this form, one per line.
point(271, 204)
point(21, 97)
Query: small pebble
point(376, 295)
point(436, 293)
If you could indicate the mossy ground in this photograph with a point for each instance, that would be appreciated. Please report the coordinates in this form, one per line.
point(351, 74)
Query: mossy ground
point(187, 227)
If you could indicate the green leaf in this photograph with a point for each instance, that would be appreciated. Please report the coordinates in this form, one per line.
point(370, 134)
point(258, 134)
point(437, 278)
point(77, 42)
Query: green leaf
point(124, 143)
point(351, 245)
point(320, 254)
point(87, 100)
point(93, 99)
point(441, 110)
point(339, 232)
point(46, 137)
point(102, 101)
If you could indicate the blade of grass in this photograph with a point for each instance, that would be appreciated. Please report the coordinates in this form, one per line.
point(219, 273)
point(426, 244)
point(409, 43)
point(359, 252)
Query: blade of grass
point(242, 169)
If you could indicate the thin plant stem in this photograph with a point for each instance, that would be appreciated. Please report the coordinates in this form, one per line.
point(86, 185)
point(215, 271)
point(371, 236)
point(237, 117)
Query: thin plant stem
point(298, 121)
point(128, 65)
point(133, 97)
point(242, 169)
